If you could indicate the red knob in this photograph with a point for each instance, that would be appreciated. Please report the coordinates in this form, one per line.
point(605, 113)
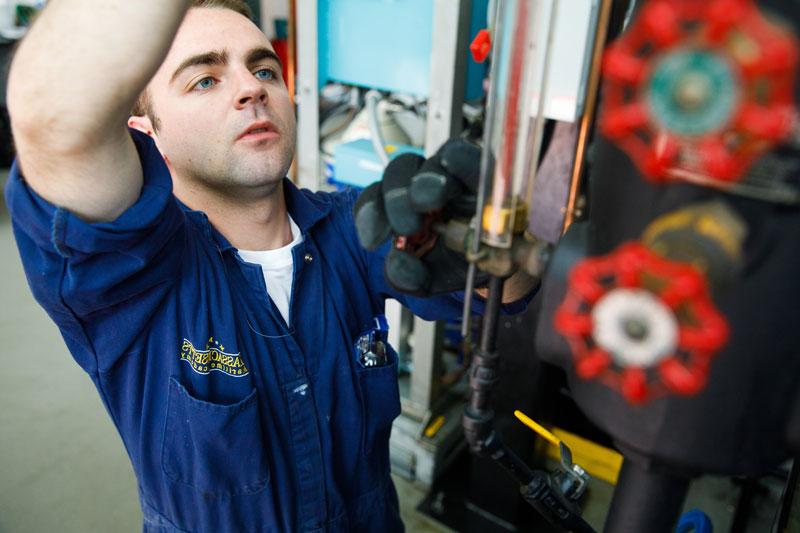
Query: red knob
point(699, 88)
point(481, 46)
point(641, 324)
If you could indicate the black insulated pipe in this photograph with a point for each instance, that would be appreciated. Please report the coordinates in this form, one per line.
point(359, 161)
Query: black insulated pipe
point(646, 500)
point(483, 373)
point(492, 314)
point(478, 415)
point(478, 419)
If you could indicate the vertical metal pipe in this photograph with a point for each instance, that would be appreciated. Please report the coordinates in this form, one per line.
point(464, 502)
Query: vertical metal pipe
point(483, 373)
point(533, 160)
point(483, 185)
point(492, 314)
point(589, 111)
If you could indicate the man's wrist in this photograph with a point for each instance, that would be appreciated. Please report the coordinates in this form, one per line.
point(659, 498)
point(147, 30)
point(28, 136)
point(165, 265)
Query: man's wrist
point(517, 287)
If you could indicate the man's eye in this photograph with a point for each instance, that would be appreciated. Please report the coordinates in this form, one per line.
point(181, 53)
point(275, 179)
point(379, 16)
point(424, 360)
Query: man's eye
point(265, 74)
point(204, 84)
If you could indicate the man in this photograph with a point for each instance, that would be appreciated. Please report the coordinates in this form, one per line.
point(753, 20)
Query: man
point(216, 307)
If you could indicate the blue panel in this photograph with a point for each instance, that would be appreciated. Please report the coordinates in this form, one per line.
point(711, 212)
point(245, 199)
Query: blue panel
point(476, 71)
point(386, 44)
point(358, 165)
point(382, 44)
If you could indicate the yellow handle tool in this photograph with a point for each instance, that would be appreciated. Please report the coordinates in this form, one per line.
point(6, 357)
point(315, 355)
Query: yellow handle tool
point(544, 433)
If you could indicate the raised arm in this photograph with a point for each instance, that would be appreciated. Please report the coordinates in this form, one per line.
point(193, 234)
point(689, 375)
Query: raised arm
point(71, 87)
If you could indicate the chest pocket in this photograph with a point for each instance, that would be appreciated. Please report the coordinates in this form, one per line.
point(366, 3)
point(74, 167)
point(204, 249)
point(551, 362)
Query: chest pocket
point(380, 400)
point(216, 449)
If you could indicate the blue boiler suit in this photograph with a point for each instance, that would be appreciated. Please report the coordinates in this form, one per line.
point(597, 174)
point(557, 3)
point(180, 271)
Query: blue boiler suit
point(233, 421)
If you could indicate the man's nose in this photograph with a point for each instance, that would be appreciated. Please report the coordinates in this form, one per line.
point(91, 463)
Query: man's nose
point(251, 91)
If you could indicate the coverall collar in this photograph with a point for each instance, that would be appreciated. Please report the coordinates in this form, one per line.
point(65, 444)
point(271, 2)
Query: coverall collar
point(304, 210)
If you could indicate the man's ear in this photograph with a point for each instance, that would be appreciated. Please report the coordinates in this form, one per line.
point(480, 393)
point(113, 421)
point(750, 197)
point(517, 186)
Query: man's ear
point(143, 124)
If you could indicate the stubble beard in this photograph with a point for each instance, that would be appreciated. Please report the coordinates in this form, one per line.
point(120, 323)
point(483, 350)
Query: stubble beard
point(246, 177)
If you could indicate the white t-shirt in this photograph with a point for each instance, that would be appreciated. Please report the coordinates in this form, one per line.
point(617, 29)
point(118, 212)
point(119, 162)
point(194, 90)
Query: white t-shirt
point(277, 267)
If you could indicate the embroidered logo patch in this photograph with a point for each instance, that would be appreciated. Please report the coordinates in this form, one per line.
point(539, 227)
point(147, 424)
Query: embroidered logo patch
point(214, 357)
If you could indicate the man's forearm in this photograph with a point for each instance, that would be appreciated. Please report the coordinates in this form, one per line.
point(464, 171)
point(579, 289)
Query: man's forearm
point(517, 287)
point(84, 63)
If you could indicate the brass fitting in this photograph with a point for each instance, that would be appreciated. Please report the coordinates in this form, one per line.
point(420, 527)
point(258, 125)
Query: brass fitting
point(498, 222)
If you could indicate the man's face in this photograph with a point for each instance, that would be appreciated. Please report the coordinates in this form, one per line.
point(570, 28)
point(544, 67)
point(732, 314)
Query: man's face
point(226, 121)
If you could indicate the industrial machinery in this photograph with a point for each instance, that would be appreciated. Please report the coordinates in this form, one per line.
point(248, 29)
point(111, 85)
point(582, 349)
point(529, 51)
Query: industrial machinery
point(641, 158)
point(670, 299)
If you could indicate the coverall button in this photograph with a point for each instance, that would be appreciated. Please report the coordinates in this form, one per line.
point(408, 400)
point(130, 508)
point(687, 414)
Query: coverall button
point(308, 258)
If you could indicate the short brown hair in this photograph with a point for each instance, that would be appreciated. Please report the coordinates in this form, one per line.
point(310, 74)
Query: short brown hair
point(144, 104)
point(240, 6)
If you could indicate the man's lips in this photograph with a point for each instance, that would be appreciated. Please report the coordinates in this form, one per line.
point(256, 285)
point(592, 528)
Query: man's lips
point(259, 131)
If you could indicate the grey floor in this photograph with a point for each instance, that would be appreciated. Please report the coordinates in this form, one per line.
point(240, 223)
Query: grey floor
point(62, 465)
point(63, 468)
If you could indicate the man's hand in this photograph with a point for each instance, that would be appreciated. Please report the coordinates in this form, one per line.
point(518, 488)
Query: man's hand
point(414, 195)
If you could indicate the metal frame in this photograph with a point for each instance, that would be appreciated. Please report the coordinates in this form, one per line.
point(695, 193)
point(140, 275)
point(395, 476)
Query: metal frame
point(589, 108)
point(445, 104)
point(307, 97)
point(448, 71)
point(426, 456)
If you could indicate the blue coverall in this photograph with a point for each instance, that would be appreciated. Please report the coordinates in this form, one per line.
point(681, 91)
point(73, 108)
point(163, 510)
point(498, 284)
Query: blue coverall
point(233, 421)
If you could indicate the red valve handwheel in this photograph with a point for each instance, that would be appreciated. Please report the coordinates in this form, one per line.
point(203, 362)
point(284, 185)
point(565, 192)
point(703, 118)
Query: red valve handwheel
point(701, 86)
point(641, 324)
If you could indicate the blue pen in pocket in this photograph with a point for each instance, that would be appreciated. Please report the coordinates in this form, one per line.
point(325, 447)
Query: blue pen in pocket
point(371, 346)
